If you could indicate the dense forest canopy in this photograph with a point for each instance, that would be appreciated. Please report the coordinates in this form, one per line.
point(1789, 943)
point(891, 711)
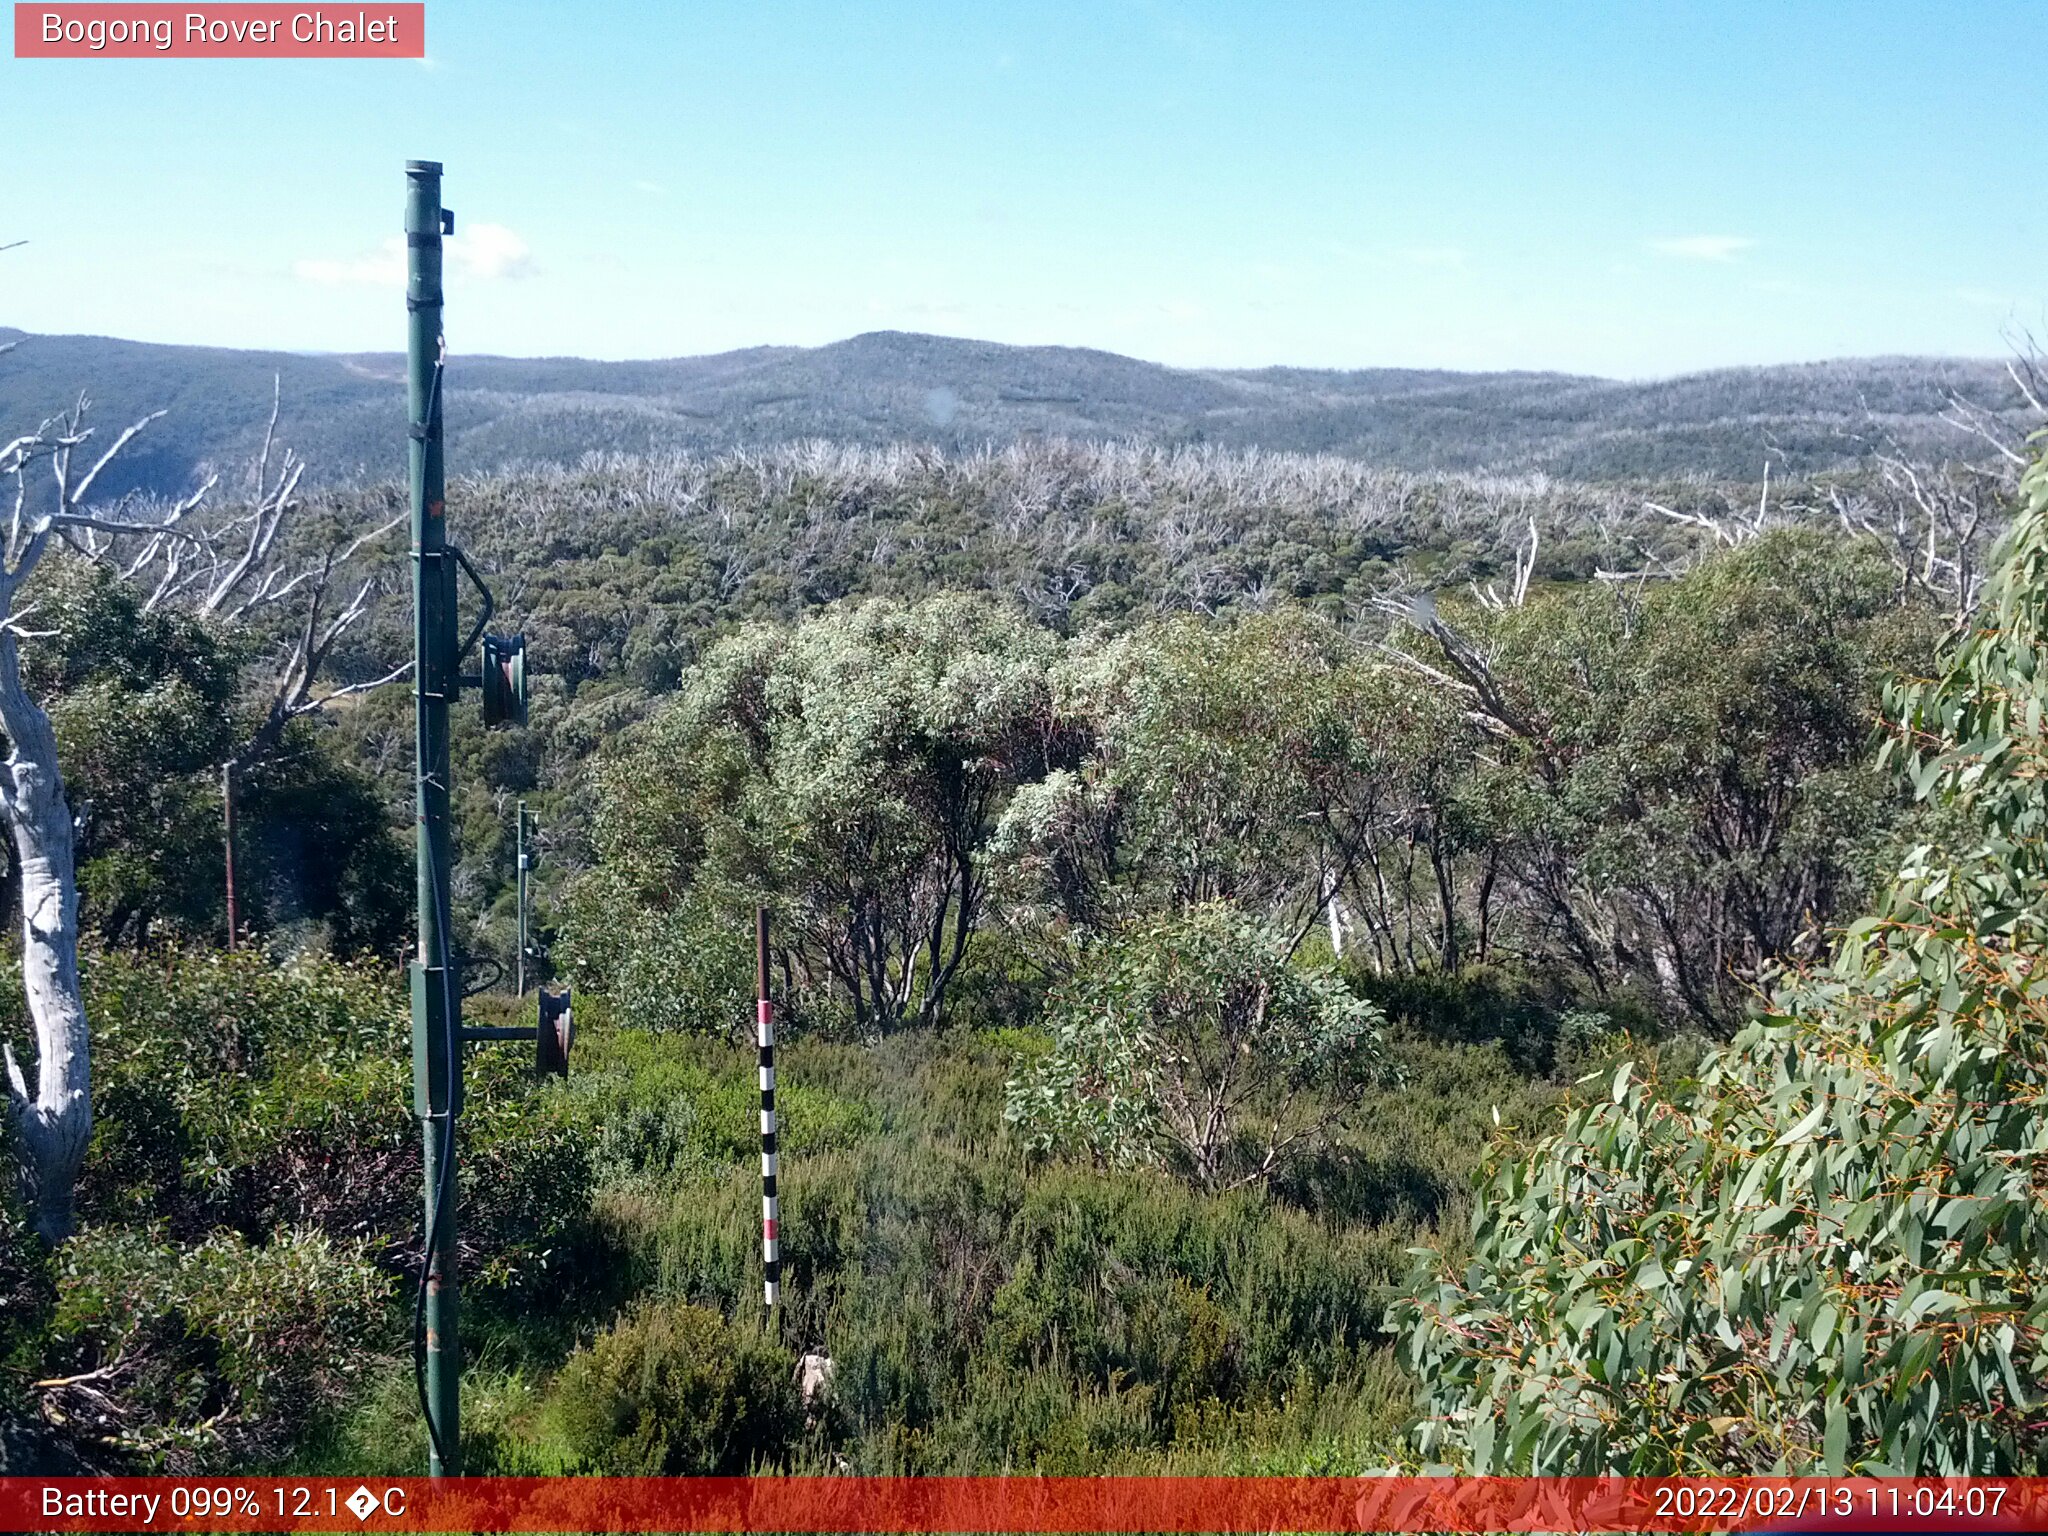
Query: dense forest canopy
point(625, 573)
point(1182, 858)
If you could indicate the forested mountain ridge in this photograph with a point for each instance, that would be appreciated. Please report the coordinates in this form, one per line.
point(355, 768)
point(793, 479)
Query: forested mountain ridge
point(344, 412)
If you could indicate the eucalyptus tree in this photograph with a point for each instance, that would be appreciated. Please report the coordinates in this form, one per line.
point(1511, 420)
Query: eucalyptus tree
point(848, 772)
point(1679, 787)
point(1822, 1249)
point(1226, 762)
point(1191, 1042)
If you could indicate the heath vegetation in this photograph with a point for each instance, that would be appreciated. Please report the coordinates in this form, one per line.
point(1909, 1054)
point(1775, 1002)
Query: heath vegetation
point(1201, 880)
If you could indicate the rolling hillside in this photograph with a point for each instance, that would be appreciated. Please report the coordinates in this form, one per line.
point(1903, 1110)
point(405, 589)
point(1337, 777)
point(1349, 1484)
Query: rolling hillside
point(344, 413)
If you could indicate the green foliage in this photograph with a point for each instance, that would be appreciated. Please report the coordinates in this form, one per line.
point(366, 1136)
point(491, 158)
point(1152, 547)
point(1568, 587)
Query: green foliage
point(1646, 795)
point(625, 574)
point(218, 1353)
point(848, 774)
point(1543, 1020)
point(141, 705)
point(983, 1313)
point(971, 1309)
point(988, 1313)
point(233, 1092)
point(1229, 762)
point(675, 1391)
point(1698, 755)
point(1192, 1043)
point(146, 706)
point(1015, 824)
point(655, 1109)
point(27, 1293)
point(685, 966)
point(318, 862)
point(252, 1208)
point(1823, 1252)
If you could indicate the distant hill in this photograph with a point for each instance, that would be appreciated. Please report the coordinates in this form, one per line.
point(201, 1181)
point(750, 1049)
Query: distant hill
point(345, 414)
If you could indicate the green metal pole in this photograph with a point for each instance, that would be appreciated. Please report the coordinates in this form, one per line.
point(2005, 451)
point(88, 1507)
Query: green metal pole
point(522, 898)
point(436, 1021)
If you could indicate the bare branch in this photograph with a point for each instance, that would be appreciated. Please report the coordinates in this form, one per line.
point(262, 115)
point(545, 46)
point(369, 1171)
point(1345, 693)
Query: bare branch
point(262, 474)
point(402, 670)
point(1969, 418)
point(84, 487)
point(1471, 673)
point(2025, 387)
point(62, 520)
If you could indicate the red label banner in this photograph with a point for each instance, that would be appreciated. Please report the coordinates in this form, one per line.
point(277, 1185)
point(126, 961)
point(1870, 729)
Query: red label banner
point(115, 31)
point(1025, 1504)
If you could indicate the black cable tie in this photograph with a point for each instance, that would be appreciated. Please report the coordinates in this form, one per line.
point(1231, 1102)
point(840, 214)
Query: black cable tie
point(413, 306)
point(419, 238)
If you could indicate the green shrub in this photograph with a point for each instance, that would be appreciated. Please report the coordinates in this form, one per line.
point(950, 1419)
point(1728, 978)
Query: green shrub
point(1542, 1021)
point(656, 1104)
point(526, 1177)
point(675, 1391)
point(221, 1353)
point(230, 1091)
point(945, 1282)
point(1044, 1421)
point(26, 1289)
point(234, 1092)
point(687, 968)
point(1192, 1043)
point(1001, 984)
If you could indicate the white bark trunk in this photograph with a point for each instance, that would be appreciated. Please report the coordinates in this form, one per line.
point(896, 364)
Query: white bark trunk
point(54, 1121)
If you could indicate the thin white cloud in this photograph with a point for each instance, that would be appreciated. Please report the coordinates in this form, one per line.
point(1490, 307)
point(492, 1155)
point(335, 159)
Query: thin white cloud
point(484, 251)
point(1450, 256)
point(1703, 247)
point(490, 251)
point(382, 268)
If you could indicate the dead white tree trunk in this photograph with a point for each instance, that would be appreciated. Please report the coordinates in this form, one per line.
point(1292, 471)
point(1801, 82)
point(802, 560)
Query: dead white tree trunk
point(220, 568)
point(54, 1118)
point(52, 1121)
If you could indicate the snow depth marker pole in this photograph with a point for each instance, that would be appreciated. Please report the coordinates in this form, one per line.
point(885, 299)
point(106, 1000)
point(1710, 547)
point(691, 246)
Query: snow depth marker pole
point(764, 1026)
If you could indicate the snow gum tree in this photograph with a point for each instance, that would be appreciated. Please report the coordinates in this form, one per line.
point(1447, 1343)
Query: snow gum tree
point(1823, 1251)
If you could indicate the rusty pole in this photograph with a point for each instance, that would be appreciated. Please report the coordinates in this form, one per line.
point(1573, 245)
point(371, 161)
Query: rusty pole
point(227, 816)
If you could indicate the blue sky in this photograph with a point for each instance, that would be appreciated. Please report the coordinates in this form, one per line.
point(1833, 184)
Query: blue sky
point(1629, 189)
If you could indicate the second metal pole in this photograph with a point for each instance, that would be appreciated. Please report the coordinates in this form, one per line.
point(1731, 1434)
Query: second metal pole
point(227, 816)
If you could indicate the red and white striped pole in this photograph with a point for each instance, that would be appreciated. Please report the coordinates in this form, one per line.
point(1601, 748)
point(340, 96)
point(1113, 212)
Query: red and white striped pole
point(764, 1024)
